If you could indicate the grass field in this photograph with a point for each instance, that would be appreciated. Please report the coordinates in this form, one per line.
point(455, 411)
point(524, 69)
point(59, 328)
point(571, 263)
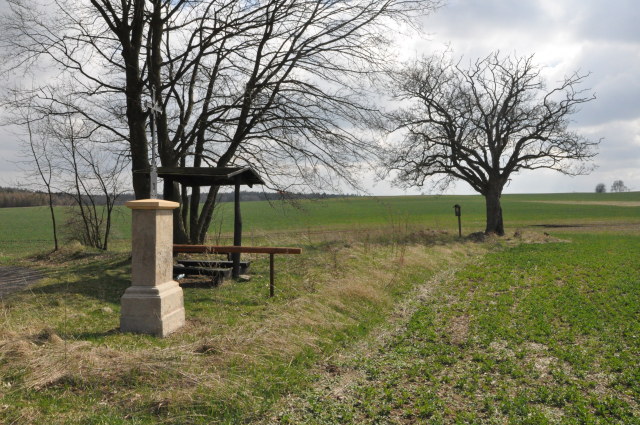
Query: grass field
point(536, 334)
point(386, 318)
point(24, 230)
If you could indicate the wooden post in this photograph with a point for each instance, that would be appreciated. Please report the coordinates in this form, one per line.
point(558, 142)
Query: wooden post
point(237, 231)
point(458, 212)
point(271, 275)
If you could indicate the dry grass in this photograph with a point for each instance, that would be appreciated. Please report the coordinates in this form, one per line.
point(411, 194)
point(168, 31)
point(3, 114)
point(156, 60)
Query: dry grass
point(340, 285)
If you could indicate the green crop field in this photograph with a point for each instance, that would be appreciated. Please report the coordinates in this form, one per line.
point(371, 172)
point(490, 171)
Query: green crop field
point(24, 230)
point(536, 334)
point(386, 318)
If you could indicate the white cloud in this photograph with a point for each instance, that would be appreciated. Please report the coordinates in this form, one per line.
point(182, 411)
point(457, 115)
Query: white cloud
point(597, 36)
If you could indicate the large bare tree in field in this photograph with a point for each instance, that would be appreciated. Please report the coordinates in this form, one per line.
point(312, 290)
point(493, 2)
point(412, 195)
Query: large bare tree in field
point(275, 84)
point(483, 124)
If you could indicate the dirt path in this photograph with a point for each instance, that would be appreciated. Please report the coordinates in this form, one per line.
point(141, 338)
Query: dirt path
point(14, 279)
point(608, 203)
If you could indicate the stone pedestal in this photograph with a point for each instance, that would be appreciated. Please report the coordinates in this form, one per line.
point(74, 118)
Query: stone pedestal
point(153, 304)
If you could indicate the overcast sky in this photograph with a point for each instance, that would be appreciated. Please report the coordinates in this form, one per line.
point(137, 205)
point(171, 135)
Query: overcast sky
point(596, 36)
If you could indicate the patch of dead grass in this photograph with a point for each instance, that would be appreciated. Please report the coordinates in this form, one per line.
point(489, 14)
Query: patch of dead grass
point(197, 359)
point(532, 237)
point(458, 329)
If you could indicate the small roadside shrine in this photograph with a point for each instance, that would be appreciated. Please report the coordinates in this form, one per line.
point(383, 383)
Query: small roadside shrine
point(154, 302)
point(217, 176)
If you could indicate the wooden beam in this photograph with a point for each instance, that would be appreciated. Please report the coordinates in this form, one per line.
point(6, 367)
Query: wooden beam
point(272, 275)
point(213, 249)
point(237, 231)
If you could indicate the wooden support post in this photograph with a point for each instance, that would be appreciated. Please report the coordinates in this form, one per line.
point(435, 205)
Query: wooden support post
point(237, 231)
point(271, 275)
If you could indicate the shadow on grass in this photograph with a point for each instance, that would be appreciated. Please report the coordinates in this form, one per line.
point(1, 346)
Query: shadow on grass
point(104, 279)
point(95, 335)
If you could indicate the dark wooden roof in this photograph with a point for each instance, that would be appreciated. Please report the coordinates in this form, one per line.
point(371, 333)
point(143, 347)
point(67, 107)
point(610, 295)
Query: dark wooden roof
point(211, 176)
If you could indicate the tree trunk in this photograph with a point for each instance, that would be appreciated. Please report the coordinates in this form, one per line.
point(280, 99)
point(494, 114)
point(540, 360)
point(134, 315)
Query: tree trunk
point(237, 230)
point(494, 212)
point(206, 215)
point(53, 219)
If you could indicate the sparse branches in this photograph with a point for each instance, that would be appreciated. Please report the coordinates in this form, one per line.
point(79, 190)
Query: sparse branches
point(483, 123)
point(277, 84)
point(41, 157)
point(618, 186)
point(72, 154)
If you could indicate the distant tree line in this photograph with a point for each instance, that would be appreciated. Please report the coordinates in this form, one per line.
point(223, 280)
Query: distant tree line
point(617, 186)
point(13, 197)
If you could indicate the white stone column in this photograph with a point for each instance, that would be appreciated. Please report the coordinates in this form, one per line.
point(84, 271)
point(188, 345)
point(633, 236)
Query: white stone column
point(153, 304)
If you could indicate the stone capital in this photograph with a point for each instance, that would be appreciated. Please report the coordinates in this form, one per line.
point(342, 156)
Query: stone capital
point(152, 204)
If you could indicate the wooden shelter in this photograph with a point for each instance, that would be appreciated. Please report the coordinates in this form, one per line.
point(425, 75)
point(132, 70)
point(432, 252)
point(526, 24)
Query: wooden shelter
point(217, 176)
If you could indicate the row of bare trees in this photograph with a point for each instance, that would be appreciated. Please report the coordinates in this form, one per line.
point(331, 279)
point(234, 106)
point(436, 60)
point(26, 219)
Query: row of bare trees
point(276, 84)
point(285, 86)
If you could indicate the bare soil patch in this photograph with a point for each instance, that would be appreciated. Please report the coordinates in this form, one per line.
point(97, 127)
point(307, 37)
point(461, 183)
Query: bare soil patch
point(609, 203)
point(14, 279)
point(616, 227)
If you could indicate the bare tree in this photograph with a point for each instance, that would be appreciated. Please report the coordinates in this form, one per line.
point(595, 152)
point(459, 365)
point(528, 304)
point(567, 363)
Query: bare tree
point(41, 158)
point(483, 124)
point(618, 186)
point(85, 169)
point(94, 177)
point(601, 188)
point(274, 84)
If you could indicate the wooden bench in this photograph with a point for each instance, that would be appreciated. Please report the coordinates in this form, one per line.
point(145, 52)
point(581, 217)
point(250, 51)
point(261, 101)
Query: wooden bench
point(215, 264)
point(217, 274)
point(213, 249)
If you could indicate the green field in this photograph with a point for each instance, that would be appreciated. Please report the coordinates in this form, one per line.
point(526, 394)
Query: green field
point(536, 334)
point(28, 229)
point(387, 318)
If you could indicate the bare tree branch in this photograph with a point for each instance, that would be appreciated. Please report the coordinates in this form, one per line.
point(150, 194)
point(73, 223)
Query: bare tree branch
point(484, 123)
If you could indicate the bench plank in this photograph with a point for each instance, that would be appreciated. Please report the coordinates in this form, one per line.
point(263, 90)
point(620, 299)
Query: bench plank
point(204, 271)
point(244, 265)
point(212, 249)
point(211, 263)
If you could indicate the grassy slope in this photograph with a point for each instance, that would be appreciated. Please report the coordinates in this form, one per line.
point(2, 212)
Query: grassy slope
point(542, 333)
point(63, 361)
point(477, 340)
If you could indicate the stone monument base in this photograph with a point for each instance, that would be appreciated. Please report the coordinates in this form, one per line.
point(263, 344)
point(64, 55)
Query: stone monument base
point(157, 310)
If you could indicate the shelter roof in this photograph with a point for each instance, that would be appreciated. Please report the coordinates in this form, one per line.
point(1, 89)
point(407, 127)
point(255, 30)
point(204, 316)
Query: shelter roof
point(211, 176)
